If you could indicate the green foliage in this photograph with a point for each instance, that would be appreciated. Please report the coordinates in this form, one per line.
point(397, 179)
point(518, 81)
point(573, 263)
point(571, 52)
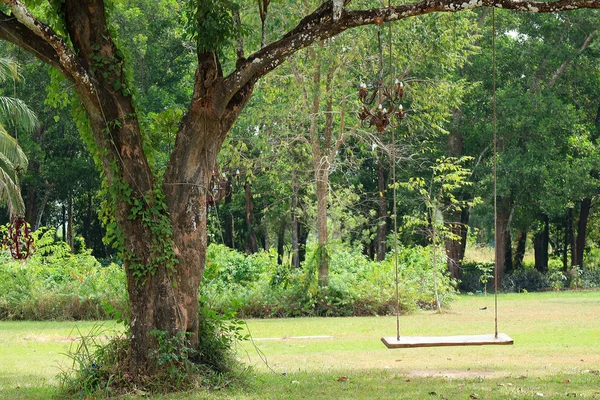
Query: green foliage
point(357, 286)
point(219, 333)
point(54, 283)
point(210, 23)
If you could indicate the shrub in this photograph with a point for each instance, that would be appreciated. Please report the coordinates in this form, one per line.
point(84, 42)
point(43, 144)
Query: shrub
point(357, 286)
point(56, 284)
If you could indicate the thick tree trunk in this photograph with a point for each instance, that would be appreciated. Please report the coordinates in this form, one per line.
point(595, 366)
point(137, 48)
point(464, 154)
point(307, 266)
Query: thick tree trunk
point(540, 246)
point(579, 248)
point(382, 219)
point(521, 240)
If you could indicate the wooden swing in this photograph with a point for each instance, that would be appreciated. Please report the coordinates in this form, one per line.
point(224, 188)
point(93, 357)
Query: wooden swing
point(399, 341)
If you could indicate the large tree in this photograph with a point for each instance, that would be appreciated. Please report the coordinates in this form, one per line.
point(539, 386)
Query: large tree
point(160, 224)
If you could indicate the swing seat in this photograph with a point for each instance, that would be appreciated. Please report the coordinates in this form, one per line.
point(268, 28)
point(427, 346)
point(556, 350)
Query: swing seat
point(433, 341)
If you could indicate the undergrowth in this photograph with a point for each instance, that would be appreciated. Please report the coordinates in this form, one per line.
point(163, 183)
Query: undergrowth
point(100, 361)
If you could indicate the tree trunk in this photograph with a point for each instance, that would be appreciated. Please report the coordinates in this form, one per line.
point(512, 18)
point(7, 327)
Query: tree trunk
point(295, 222)
point(503, 242)
point(455, 247)
point(540, 246)
point(64, 223)
point(281, 242)
point(251, 242)
point(322, 231)
point(382, 219)
point(228, 227)
point(70, 230)
point(579, 248)
point(568, 239)
point(521, 240)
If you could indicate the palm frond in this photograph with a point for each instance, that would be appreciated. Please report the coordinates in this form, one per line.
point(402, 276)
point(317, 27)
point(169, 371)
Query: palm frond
point(14, 113)
point(10, 193)
point(8, 69)
point(10, 149)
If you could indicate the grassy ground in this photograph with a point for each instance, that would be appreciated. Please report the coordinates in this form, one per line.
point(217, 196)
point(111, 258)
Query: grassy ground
point(556, 354)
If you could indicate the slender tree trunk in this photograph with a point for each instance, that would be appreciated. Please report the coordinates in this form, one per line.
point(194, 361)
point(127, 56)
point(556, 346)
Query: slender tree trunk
point(455, 247)
point(281, 242)
point(540, 246)
point(295, 223)
point(70, 230)
point(503, 242)
point(64, 223)
point(228, 231)
point(322, 230)
point(521, 240)
point(568, 239)
point(382, 219)
point(579, 248)
point(251, 242)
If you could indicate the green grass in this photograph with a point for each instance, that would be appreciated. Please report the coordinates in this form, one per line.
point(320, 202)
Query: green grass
point(556, 353)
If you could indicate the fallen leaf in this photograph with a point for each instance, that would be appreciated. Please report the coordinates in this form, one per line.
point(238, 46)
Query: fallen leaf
point(408, 380)
point(473, 397)
point(343, 379)
point(567, 381)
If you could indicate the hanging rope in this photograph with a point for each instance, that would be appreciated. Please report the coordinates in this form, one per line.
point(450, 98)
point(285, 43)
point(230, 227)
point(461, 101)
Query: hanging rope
point(394, 191)
point(494, 126)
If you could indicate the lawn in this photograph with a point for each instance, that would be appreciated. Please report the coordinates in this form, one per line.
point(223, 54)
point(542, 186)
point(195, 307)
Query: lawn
point(556, 354)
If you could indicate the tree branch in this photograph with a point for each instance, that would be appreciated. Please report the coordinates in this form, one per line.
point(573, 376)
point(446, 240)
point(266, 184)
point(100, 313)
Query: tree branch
point(18, 34)
point(320, 25)
point(565, 64)
point(68, 61)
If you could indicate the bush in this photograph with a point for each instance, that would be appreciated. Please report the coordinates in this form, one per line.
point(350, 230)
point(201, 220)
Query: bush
point(56, 284)
point(357, 286)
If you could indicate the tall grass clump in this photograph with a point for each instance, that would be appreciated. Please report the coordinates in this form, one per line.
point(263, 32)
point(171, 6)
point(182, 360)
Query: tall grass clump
point(100, 360)
point(56, 284)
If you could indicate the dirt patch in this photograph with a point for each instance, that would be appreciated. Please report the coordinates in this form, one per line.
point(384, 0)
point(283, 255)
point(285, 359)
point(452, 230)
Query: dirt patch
point(451, 374)
point(45, 339)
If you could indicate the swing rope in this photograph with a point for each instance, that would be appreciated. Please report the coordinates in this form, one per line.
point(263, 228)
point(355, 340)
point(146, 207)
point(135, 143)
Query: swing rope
point(494, 126)
point(468, 340)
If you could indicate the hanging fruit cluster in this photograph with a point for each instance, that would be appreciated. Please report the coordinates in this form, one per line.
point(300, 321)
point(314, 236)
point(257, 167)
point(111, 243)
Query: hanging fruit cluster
point(18, 239)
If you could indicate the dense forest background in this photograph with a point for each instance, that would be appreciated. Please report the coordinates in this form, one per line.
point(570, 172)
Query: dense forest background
point(299, 172)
